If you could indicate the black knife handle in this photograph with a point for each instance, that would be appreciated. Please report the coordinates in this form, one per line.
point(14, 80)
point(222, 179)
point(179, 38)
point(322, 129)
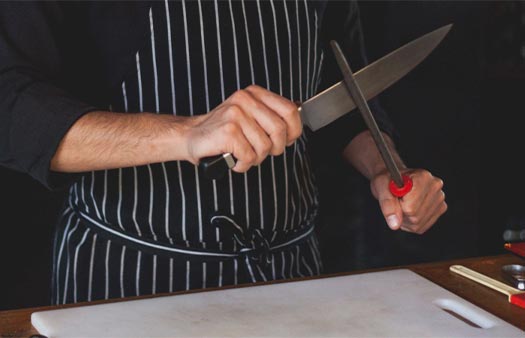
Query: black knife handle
point(215, 167)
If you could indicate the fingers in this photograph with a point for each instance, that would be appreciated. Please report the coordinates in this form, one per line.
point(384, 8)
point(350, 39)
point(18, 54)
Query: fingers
point(424, 204)
point(433, 201)
point(286, 109)
point(416, 200)
point(251, 124)
point(241, 149)
point(267, 119)
point(420, 228)
point(249, 143)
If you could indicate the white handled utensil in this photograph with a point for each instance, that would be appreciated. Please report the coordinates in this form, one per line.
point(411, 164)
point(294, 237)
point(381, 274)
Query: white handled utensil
point(516, 297)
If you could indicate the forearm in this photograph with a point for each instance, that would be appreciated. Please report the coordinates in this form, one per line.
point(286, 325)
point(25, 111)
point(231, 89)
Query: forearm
point(107, 140)
point(362, 154)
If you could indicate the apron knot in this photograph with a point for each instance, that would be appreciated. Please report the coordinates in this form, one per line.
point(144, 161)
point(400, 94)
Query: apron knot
point(251, 242)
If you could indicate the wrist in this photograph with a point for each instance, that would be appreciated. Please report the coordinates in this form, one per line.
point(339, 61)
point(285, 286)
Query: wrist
point(178, 141)
point(173, 141)
point(381, 169)
point(364, 155)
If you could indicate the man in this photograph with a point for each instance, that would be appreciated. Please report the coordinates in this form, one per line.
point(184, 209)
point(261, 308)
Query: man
point(120, 100)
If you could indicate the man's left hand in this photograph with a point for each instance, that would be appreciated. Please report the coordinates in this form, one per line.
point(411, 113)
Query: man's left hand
point(418, 210)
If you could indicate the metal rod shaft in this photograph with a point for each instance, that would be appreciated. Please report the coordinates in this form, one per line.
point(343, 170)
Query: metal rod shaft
point(364, 109)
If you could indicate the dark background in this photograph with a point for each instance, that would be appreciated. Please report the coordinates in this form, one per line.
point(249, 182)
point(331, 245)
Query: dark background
point(457, 115)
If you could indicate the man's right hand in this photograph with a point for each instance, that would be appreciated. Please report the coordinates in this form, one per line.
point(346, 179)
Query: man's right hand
point(251, 124)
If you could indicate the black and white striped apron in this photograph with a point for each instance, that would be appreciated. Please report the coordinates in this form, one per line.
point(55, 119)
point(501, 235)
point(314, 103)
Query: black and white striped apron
point(165, 227)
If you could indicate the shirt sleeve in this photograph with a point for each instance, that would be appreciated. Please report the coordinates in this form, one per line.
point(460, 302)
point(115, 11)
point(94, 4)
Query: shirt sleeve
point(343, 25)
point(35, 111)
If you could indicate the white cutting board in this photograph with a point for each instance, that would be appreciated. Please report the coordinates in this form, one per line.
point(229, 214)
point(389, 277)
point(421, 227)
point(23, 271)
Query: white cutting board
point(395, 303)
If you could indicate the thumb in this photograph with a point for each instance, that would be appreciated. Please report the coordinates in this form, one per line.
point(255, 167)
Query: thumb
point(392, 211)
point(390, 205)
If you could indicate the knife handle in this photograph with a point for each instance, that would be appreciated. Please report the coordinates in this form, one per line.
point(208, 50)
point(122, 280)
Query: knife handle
point(403, 190)
point(215, 167)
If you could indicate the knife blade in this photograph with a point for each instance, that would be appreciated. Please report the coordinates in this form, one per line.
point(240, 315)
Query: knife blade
point(334, 102)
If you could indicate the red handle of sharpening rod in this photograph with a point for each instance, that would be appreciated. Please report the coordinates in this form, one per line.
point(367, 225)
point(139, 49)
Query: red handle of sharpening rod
point(403, 190)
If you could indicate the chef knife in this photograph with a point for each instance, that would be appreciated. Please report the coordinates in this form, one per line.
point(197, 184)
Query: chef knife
point(334, 102)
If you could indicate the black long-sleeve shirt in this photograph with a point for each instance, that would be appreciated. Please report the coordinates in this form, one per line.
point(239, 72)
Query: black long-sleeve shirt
point(164, 226)
point(60, 60)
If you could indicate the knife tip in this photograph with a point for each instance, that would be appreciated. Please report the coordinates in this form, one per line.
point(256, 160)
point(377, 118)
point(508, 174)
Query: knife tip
point(446, 28)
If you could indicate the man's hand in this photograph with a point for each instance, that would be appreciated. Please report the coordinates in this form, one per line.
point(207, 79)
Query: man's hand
point(251, 124)
point(418, 210)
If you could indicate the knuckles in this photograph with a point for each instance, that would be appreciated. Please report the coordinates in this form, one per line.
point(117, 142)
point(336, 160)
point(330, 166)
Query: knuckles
point(426, 175)
point(410, 211)
point(413, 220)
point(443, 208)
point(441, 197)
point(254, 88)
point(231, 128)
point(249, 157)
point(266, 146)
point(240, 96)
point(282, 132)
point(296, 132)
point(437, 184)
point(234, 112)
point(279, 129)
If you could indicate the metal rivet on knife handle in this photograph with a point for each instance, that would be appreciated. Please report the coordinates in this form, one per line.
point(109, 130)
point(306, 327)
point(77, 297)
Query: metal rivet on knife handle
point(216, 167)
point(403, 183)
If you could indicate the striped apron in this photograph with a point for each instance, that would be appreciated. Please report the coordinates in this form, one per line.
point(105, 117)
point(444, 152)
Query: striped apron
point(164, 227)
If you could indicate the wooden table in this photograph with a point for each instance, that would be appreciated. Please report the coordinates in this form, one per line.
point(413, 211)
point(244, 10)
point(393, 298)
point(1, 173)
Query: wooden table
point(17, 323)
